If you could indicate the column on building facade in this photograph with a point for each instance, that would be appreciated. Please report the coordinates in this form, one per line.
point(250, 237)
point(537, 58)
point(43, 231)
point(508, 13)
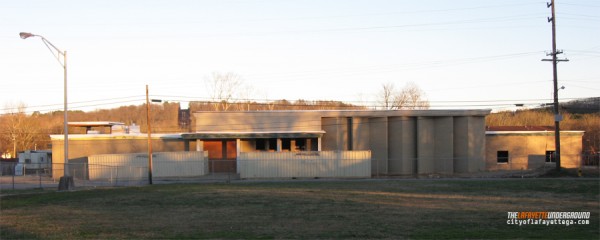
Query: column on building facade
point(360, 133)
point(444, 145)
point(425, 145)
point(402, 145)
point(279, 144)
point(199, 145)
point(469, 132)
point(378, 132)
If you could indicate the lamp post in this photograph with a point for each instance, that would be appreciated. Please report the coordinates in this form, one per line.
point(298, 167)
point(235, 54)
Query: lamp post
point(149, 134)
point(66, 181)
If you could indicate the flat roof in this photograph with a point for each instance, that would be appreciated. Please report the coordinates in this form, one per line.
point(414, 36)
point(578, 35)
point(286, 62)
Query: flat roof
point(255, 134)
point(539, 133)
point(527, 130)
point(115, 136)
point(95, 124)
point(366, 113)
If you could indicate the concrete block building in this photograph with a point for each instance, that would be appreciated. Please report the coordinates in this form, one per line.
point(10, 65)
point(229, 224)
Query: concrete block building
point(401, 142)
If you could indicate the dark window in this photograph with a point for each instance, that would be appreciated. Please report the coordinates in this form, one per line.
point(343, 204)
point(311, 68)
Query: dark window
point(272, 143)
point(502, 156)
point(261, 144)
point(286, 144)
point(300, 144)
point(550, 156)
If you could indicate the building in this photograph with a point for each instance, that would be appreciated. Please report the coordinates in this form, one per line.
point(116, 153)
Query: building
point(520, 148)
point(349, 143)
point(401, 142)
point(120, 139)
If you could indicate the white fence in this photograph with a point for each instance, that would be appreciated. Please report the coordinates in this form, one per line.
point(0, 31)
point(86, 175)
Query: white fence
point(305, 164)
point(135, 165)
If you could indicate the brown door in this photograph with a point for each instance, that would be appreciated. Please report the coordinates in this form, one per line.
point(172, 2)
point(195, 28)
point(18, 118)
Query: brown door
point(222, 155)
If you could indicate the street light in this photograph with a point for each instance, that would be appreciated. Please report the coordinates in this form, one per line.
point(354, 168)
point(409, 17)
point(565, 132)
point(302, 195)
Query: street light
point(66, 181)
point(149, 134)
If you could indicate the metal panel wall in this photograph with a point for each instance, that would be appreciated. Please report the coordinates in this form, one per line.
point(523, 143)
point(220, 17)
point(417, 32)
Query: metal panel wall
point(135, 165)
point(305, 164)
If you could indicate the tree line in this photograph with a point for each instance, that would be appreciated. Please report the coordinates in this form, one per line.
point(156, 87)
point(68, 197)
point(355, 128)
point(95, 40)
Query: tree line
point(22, 131)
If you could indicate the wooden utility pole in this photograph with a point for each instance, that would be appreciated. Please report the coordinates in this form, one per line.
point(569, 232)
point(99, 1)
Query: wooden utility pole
point(555, 60)
point(149, 138)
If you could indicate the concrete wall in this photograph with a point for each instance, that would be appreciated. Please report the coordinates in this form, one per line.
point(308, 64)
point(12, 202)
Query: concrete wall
point(469, 144)
point(402, 145)
point(260, 121)
point(444, 145)
point(401, 142)
point(360, 133)
point(82, 146)
point(528, 150)
point(378, 139)
point(425, 145)
point(335, 139)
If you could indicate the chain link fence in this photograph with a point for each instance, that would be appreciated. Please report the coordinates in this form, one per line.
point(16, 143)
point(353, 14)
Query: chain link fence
point(14, 175)
point(23, 176)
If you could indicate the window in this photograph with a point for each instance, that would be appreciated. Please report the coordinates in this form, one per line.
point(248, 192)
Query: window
point(286, 144)
point(266, 144)
point(550, 156)
point(261, 144)
point(502, 156)
point(300, 144)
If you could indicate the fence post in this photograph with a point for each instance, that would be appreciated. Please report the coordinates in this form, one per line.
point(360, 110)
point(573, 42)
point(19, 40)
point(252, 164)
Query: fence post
point(13, 176)
point(40, 177)
point(85, 172)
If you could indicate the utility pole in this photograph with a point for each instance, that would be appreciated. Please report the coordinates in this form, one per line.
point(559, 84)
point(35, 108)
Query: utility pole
point(149, 138)
point(555, 60)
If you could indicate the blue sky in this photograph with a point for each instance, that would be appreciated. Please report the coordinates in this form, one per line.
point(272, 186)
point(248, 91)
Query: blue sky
point(463, 54)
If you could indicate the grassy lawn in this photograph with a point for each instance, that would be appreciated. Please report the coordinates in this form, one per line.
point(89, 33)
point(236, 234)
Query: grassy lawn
point(358, 209)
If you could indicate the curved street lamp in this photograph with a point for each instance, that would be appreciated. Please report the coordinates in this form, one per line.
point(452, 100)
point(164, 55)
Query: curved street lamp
point(66, 181)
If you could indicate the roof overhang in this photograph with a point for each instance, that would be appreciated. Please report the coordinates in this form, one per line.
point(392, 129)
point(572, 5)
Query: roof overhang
point(95, 124)
point(247, 135)
point(80, 137)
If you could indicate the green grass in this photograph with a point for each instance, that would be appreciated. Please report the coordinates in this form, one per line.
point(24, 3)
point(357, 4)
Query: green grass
point(430, 209)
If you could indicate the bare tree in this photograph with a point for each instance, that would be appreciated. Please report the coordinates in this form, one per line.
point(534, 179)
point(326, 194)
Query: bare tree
point(409, 97)
point(223, 88)
point(386, 96)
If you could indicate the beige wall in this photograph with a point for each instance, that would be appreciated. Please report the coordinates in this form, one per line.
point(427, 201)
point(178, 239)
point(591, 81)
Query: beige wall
point(82, 146)
point(469, 144)
point(402, 145)
point(401, 142)
point(378, 139)
point(256, 121)
point(528, 150)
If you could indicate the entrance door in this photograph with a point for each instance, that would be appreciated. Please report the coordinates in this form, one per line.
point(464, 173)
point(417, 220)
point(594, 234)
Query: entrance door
point(222, 155)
